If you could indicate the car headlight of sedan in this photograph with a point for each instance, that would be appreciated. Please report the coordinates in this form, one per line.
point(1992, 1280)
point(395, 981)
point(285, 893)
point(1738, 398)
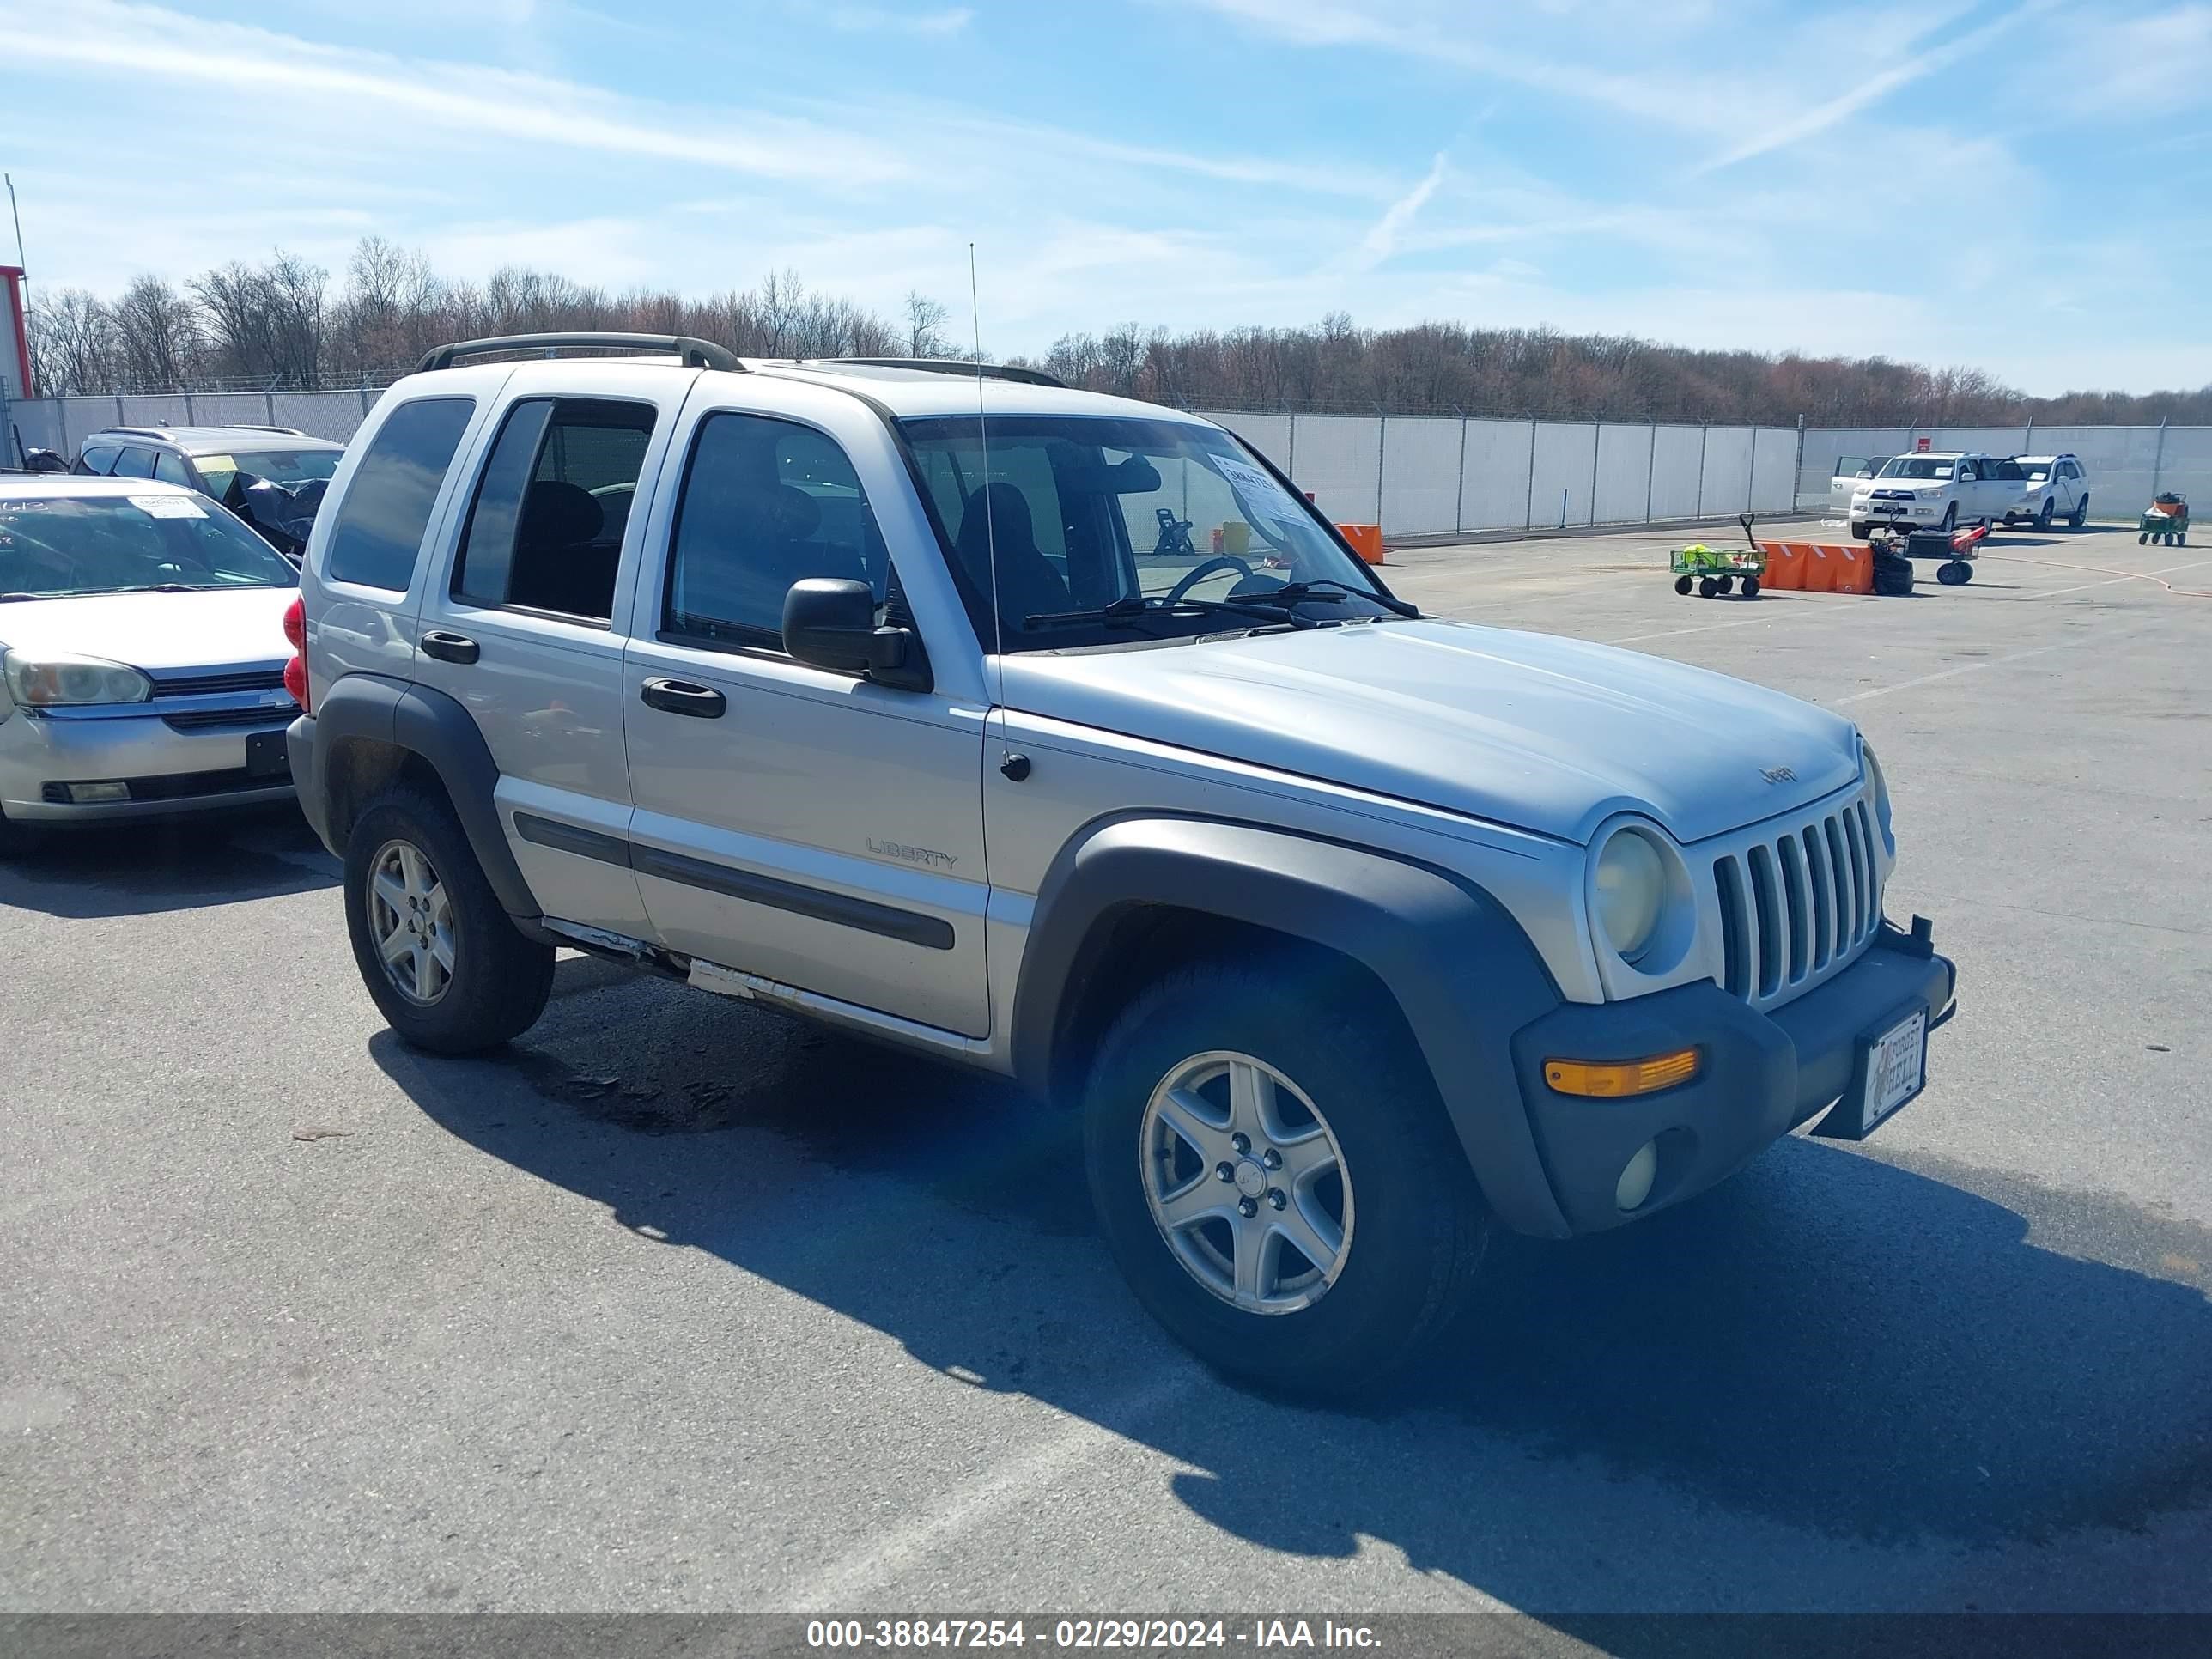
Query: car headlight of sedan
point(49, 679)
point(1640, 898)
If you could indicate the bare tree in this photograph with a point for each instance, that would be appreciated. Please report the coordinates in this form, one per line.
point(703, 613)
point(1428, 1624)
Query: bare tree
point(73, 348)
point(923, 317)
point(157, 338)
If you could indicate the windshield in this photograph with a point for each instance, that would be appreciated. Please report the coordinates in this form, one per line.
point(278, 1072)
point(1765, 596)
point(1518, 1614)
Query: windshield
point(1087, 511)
point(1919, 466)
point(55, 546)
point(2038, 471)
point(289, 467)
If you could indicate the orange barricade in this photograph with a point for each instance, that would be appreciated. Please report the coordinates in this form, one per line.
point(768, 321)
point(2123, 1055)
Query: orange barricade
point(1785, 565)
point(1820, 565)
point(1366, 540)
point(1854, 568)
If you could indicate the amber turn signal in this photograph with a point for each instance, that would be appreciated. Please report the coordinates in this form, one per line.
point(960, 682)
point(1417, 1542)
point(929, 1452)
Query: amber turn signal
point(1612, 1079)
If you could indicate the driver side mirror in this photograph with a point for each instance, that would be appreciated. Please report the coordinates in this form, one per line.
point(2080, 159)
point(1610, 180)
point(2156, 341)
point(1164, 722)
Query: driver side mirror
point(830, 623)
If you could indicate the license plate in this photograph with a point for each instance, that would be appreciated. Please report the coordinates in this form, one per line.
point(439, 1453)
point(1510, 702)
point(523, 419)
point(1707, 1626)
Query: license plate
point(1896, 1069)
point(265, 756)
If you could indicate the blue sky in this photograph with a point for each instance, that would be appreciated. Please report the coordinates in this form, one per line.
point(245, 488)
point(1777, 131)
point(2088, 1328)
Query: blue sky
point(1706, 173)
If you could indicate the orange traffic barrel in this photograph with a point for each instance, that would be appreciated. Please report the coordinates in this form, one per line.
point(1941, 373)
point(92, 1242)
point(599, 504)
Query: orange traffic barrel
point(1854, 567)
point(1366, 540)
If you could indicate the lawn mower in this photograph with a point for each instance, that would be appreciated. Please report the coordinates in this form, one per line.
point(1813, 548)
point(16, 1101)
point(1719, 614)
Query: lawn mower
point(2166, 521)
point(1957, 549)
point(1714, 572)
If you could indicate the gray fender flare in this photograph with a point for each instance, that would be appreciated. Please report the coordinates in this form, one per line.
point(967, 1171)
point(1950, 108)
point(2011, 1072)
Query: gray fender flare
point(443, 734)
point(1462, 972)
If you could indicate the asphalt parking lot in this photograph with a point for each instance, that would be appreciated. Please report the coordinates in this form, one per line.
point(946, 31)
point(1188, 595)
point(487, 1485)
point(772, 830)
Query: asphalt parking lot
point(679, 1306)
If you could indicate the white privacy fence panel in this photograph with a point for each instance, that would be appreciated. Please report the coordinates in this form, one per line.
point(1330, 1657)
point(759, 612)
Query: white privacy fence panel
point(2186, 466)
point(1677, 454)
point(1726, 486)
point(1493, 479)
point(1268, 434)
point(333, 415)
point(1774, 471)
point(158, 408)
point(1624, 474)
point(1420, 475)
point(1339, 461)
point(1559, 492)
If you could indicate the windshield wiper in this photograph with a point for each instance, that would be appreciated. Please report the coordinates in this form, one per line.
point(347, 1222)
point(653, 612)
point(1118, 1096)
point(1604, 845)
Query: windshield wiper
point(1295, 592)
point(1130, 607)
point(159, 587)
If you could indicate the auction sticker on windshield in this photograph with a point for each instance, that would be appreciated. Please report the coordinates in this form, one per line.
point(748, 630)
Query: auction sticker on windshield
point(1260, 493)
point(167, 506)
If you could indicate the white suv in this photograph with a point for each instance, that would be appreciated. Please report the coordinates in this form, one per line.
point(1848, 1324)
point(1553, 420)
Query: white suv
point(902, 696)
point(2051, 486)
point(1940, 489)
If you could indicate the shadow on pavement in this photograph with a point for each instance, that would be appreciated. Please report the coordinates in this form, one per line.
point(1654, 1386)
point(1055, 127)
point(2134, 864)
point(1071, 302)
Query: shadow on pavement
point(1860, 1351)
point(168, 864)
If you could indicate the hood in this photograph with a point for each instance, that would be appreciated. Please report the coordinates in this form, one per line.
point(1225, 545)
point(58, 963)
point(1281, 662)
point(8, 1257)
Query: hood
point(1531, 730)
point(161, 633)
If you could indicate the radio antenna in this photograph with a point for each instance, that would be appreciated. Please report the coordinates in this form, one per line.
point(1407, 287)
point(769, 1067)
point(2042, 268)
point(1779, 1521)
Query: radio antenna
point(990, 520)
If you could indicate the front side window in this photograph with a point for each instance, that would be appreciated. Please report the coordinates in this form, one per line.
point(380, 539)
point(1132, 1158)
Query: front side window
point(135, 463)
point(98, 462)
point(1071, 515)
point(58, 546)
point(382, 520)
point(766, 503)
point(1852, 466)
point(545, 530)
point(170, 469)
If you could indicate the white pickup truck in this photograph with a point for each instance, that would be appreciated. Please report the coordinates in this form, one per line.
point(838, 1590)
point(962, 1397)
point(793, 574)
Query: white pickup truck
point(1942, 489)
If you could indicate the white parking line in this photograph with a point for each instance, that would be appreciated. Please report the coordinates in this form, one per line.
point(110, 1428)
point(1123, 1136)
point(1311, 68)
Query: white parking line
point(1950, 673)
point(846, 1582)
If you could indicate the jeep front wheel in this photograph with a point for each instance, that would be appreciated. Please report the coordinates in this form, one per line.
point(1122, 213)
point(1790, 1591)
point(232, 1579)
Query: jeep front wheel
point(448, 968)
point(1279, 1183)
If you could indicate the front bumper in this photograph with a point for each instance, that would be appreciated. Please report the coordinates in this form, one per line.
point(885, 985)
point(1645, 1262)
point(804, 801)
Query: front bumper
point(166, 771)
point(1759, 1076)
point(1896, 511)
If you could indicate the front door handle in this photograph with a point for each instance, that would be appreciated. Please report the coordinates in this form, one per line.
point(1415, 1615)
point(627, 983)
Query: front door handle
point(449, 647)
point(702, 702)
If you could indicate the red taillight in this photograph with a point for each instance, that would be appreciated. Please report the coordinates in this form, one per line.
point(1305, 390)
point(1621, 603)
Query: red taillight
point(295, 630)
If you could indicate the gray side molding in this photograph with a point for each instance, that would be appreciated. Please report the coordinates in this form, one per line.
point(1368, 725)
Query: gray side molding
point(438, 728)
point(1463, 974)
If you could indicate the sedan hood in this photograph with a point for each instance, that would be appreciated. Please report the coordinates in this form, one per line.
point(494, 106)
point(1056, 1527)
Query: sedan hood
point(1530, 730)
point(161, 633)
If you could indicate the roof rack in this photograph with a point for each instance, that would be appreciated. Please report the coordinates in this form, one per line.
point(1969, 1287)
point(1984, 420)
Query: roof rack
point(947, 366)
point(696, 353)
point(165, 433)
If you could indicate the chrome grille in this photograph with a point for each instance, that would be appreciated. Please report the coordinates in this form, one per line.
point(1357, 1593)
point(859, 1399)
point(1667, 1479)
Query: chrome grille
point(1799, 897)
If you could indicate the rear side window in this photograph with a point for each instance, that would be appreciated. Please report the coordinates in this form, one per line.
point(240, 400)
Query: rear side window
point(170, 469)
point(545, 530)
point(99, 461)
point(378, 532)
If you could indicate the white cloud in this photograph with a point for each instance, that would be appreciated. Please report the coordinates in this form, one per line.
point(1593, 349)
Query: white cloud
point(1381, 238)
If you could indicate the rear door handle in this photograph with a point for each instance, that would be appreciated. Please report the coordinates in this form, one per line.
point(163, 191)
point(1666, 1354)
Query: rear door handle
point(702, 702)
point(449, 647)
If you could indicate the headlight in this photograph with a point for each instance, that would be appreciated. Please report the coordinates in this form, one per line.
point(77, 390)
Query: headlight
point(1631, 890)
point(1880, 796)
point(1926, 494)
point(42, 682)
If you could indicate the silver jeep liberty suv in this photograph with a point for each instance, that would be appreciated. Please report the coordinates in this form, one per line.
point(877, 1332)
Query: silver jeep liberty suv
point(1058, 736)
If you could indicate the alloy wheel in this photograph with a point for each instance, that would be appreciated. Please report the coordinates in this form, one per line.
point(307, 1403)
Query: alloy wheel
point(410, 916)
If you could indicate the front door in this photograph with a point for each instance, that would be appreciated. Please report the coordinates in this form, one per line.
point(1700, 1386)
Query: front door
point(812, 828)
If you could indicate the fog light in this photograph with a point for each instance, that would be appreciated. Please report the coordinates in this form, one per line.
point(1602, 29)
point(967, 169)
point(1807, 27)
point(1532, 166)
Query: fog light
point(85, 794)
point(1637, 1176)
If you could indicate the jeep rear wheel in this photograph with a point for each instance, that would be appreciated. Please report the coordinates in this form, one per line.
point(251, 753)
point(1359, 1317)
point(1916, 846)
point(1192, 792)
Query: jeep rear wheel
point(1279, 1184)
point(448, 968)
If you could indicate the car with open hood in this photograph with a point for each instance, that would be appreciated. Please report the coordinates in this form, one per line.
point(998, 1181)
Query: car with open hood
point(910, 697)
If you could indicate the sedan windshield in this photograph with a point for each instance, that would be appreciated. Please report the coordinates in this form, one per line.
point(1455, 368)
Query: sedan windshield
point(1919, 466)
point(289, 467)
point(1104, 530)
point(61, 546)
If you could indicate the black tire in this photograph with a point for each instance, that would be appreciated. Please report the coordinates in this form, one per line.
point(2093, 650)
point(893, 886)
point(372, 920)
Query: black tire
point(1751, 587)
point(1726, 584)
point(499, 980)
point(1419, 1224)
point(2141, 540)
point(2182, 540)
point(1950, 518)
point(1683, 584)
point(2043, 514)
point(1953, 573)
point(2080, 516)
point(1708, 587)
point(1860, 531)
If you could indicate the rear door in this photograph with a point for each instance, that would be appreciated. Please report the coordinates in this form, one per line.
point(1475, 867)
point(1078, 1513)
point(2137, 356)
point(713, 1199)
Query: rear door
point(816, 829)
point(523, 622)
